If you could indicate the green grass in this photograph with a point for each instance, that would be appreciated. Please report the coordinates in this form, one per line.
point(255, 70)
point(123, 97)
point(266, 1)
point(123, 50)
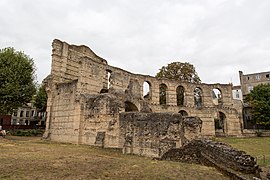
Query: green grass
point(258, 147)
point(33, 158)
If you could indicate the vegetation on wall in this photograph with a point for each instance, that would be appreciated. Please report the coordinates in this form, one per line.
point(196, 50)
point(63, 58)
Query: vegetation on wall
point(17, 79)
point(179, 71)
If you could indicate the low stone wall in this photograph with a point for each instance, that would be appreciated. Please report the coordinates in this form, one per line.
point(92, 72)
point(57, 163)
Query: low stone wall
point(233, 162)
point(152, 134)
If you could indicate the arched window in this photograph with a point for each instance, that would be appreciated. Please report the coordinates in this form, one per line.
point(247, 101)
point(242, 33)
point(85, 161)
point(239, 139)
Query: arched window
point(198, 97)
point(108, 78)
point(147, 90)
point(183, 113)
point(220, 121)
point(180, 95)
point(129, 106)
point(162, 94)
point(217, 96)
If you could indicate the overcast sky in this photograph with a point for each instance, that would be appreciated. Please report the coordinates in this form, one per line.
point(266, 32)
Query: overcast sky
point(219, 37)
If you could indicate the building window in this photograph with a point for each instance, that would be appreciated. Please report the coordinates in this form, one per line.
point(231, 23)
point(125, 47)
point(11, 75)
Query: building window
point(237, 95)
point(248, 78)
point(267, 75)
point(27, 113)
point(21, 122)
point(15, 113)
point(21, 114)
point(258, 77)
point(32, 113)
point(14, 121)
point(250, 88)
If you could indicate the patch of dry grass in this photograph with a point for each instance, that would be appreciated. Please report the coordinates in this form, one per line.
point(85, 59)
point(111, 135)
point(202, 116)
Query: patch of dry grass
point(33, 158)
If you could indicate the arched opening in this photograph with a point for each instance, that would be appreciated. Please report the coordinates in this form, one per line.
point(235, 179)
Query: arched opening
point(183, 113)
point(146, 90)
point(104, 91)
point(198, 97)
point(108, 72)
point(129, 106)
point(180, 95)
point(162, 94)
point(217, 96)
point(220, 122)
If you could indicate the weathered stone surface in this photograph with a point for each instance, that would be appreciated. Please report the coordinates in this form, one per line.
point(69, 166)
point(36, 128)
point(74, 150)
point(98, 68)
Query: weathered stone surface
point(152, 134)
point(86, 95)
point(224, 157)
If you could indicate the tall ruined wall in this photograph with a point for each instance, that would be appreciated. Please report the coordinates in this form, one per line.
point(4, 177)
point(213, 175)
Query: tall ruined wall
point(63, 113)
point(78, 76)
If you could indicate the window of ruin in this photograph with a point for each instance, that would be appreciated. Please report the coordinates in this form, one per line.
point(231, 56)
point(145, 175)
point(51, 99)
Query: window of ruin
point(220, 121)
point(162, 94)
point(147, 90)
point(183, 113)
point(109, 72)
point(217, 96)
point(267, 75)
point(198, 97)
point(180, 95)
point(129, 106)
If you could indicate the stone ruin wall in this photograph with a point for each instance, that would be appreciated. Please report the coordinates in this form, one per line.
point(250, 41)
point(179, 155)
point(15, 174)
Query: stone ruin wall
point(78, 76)
point(153, 134)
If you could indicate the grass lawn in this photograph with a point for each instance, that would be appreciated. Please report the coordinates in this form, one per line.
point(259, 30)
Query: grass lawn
point(258, 147)
point(33, 158)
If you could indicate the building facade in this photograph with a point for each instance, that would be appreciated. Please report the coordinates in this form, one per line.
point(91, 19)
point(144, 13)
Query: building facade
point(28, 115)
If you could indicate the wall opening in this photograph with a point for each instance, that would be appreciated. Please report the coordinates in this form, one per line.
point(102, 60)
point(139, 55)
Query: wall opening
point(129, 106)
point(220, 122)
point(183, 113)
point(146, 90)
point(198, 97)
point(217, 96)
point(162, 94)
point(180, 95)
point(109, 72)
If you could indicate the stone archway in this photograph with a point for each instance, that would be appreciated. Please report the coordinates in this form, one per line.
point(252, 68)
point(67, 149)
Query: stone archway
point(220, 124)
point(183, 113)
point(129, 106)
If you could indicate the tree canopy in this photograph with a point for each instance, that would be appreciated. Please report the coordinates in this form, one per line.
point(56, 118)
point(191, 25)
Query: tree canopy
point(179, 71)
point(40, 99)
point(259, 99)
point(17, 79)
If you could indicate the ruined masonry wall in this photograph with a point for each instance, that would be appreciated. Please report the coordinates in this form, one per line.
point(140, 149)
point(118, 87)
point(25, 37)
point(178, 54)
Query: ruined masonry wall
point(78, 72)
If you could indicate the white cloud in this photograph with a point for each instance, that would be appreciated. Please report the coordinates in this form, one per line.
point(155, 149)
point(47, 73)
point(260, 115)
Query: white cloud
point(220, 37)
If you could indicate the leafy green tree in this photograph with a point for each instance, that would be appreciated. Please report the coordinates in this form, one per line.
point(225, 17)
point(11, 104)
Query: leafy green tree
point(17, 79)
point(40, 99)
point(179, 71)
point(259, 99)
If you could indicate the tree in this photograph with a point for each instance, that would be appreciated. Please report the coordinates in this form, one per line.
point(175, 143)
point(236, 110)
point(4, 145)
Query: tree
point(259, 99)
point(17, 76)
point(40, 99)
point(179, 71)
